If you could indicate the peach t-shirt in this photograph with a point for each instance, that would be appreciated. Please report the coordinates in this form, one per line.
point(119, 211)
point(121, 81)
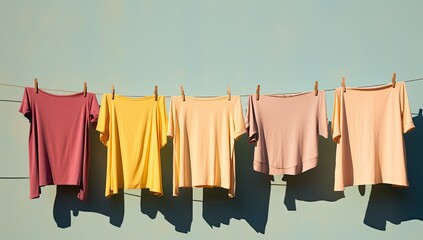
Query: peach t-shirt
point(204, 131)
point(368, 126)
point(285, 129)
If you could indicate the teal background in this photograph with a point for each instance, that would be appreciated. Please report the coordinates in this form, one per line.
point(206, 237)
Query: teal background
point(207, 46)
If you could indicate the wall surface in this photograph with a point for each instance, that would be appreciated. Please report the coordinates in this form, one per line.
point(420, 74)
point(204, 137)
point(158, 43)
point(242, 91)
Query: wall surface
point(205, 46)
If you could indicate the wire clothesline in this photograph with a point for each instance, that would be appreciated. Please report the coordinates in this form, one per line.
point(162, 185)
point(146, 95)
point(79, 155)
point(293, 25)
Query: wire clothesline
point(241, 95)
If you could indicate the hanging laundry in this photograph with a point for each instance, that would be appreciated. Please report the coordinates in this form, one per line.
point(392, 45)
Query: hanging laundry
point(368, 126)
point(285, 130)
point(134, 131)
point(204, 131)
point(58, 138)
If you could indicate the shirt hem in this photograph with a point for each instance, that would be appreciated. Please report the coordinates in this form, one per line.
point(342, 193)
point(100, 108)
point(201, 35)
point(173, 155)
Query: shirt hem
point(294, 170)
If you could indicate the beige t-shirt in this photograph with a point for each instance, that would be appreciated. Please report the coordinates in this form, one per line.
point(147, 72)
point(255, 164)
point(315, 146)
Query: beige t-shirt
point(204, 131)
point(368, 126)
point(285, 130)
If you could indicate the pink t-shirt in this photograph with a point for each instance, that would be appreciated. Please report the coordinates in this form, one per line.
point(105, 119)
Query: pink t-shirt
point(368, 126)
point(285, 130)
point(58, 138)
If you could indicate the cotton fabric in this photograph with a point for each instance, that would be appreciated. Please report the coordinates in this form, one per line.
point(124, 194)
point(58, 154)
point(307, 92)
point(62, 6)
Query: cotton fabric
point(204, 131)
point(285, 130)
point(134, 131)
point(368, 126)
point(58, 138)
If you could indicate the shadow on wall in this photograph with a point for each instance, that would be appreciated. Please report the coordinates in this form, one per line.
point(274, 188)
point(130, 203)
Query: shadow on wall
point(251, 201)
point(387, 203)
point(176, 210)
point(316, 184)
point(66, 200)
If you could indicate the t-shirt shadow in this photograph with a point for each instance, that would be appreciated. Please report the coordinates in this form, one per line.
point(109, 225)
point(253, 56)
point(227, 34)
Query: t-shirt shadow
point(316, 184)
point(67, 202)
point(176, 210)
point(252, 194)
point(394, 204)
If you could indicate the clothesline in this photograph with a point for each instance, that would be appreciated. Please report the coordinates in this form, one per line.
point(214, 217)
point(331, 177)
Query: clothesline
point(242, 95)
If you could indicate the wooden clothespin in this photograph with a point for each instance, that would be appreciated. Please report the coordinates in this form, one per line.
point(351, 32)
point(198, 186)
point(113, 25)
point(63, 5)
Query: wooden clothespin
point(344, 89)
point(316, 88)
point(394, 80)
point(258, 92)
point(85, 89)
point(36, 85)
point(229, 93)
point(113, 91)
point(182, 93)
point(155, 93)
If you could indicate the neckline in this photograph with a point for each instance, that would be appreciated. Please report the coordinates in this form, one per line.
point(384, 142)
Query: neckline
point(59, 95)
point(206, 98)
point(134, 99)
point(372, 88)
point(291, 95)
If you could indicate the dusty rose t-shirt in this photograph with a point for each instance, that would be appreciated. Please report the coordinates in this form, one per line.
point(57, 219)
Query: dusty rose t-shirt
point(58, 138)
point(285, 129)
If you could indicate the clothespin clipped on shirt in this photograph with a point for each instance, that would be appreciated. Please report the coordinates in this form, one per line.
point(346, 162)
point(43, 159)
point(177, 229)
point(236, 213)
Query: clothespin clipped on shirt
point(113, 91)
point(155, 93)
point(344, 89)
point(258, 92)
point(229, 93)
point(316, 88)
point(394, 80)
point(36, 85)
point(182, 93)
point(85, 89)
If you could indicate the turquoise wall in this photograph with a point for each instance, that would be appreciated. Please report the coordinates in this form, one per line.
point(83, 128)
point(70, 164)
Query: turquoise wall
point(205, 46)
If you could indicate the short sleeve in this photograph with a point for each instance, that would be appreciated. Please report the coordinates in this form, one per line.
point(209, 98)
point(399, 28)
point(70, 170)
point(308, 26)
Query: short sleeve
point(170, 126)
point(336, 116)
point(103, 120)
point(25, 107)
point(250, 121)
point(162, 120)
point(407, 121)
point(239, 124)
point(322, 115)
point(94, 110)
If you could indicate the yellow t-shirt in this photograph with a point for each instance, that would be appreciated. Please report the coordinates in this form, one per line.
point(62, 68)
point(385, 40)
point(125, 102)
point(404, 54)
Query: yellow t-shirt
point(204, 131)
point(133, 130)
